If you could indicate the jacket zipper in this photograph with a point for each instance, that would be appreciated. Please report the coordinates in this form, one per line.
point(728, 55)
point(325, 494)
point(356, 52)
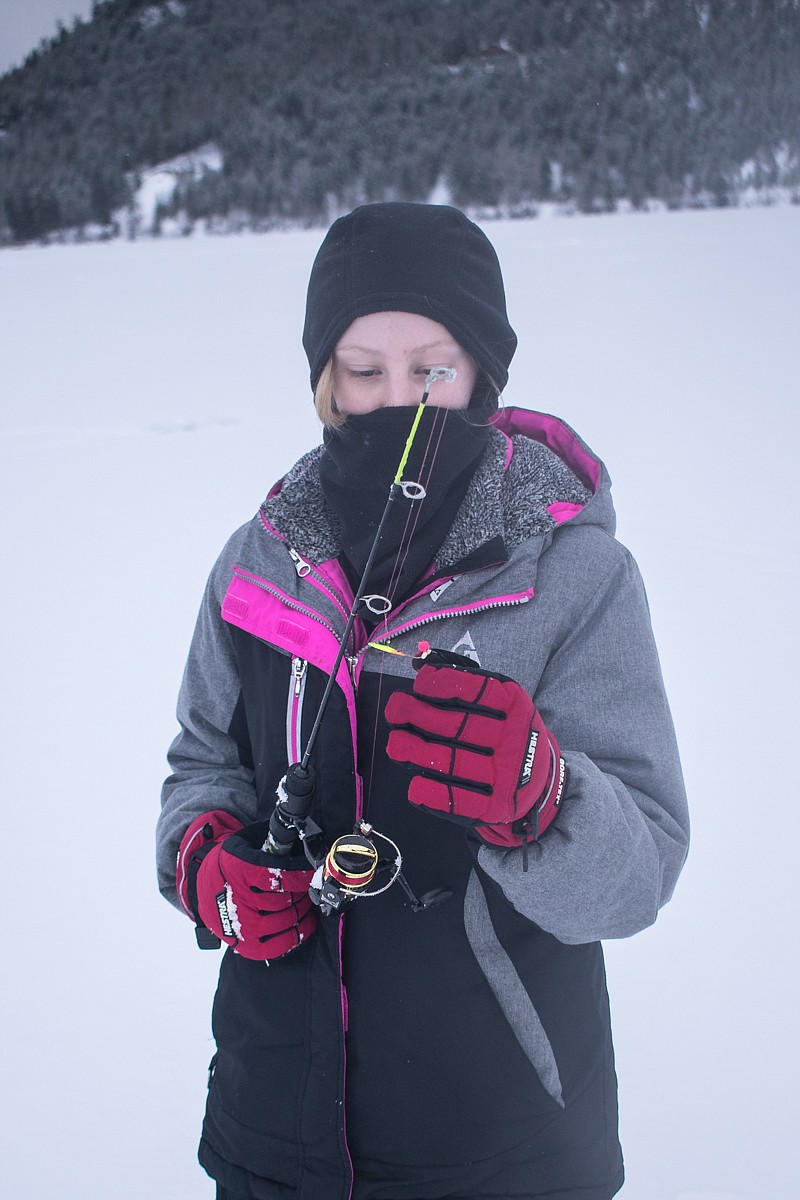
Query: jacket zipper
point(429, 618)
point(303, 568)
point(284, 599)
point(294, 718)
point(294, 709)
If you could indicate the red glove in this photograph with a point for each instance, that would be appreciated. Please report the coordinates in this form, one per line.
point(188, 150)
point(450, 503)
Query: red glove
point(256, 902)
point(485, 756)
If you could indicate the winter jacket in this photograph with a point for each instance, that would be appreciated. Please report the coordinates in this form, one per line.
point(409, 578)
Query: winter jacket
point(463, 1051)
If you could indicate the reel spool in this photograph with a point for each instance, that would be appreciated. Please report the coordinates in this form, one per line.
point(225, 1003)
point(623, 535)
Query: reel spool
point(350, 866)
point(352, 862)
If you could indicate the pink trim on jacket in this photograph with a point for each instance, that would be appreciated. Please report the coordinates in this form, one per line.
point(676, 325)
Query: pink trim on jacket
point(509, 450)
point(345, 1026)
point(552, 432)
point(563, 511)
point(511, 598)
point(259, 607)
point(332, 568)
point(490, 602)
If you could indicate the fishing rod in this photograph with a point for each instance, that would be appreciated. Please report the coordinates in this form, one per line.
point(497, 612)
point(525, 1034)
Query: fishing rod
point(351, 865)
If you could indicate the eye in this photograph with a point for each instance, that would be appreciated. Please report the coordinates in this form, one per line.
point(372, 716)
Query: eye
point(365, 373)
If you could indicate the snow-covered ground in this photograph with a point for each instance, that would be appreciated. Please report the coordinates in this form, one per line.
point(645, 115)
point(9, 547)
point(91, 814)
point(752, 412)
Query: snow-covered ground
point(151, 393)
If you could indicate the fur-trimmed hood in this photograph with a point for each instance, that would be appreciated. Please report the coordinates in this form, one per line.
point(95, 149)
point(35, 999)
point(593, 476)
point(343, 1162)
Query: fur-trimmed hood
point(534, 474)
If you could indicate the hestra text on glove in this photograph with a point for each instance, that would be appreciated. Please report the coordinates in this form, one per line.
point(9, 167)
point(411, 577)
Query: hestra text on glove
point(484, 755)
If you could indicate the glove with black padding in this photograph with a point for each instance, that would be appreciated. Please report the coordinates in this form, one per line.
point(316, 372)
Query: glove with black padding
point(256, 902)
point(482, 753)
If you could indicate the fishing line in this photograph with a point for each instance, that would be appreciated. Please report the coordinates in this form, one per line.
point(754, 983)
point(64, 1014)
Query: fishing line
point(406, 540)
point(346, 869)
point(415, 511)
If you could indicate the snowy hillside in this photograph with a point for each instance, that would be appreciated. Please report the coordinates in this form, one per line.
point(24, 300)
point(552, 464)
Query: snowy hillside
point(151, 394)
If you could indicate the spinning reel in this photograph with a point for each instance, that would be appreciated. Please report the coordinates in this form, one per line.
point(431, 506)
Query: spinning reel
point(346, 871)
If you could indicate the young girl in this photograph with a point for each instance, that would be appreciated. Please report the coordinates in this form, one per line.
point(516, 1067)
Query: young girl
point(440, 1031)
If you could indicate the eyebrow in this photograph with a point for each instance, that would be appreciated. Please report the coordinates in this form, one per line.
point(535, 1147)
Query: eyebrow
point(448, 343)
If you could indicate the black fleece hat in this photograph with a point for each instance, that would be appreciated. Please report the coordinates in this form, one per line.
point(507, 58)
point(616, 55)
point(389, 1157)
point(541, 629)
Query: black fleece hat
point(420, 258)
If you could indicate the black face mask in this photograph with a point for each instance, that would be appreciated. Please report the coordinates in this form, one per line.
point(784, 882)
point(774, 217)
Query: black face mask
point(358, 466)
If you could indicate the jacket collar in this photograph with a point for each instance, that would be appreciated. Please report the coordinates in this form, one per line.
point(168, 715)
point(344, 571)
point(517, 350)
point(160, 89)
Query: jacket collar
point(506, 502)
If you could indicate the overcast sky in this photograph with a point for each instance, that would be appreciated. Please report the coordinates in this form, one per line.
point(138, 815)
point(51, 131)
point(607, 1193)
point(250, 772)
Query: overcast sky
point(23, 24)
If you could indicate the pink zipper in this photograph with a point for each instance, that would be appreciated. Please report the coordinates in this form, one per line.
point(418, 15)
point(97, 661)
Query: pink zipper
point(509, 601)
point(345, 1025)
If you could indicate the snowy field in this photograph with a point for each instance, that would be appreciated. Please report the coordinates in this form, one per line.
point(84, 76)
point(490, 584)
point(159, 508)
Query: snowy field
point(151, 393)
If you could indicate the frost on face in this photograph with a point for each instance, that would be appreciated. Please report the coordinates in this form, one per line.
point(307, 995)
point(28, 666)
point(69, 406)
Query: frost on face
point(445, 374)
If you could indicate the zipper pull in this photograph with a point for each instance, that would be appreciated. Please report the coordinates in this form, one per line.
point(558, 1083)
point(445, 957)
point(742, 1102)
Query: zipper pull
point(437, 591)
point(298, 670)
point(302, 567)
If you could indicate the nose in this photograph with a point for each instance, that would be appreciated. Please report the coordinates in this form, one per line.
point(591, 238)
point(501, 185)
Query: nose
point(401, 390)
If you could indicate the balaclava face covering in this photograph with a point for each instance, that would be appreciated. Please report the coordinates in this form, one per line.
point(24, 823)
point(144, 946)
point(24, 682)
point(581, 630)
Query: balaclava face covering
point(417, 258)
point(356, 473)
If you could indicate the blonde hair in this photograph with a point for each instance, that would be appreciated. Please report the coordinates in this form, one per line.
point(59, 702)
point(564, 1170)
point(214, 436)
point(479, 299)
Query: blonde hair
point(324, 401)
point(331, 418)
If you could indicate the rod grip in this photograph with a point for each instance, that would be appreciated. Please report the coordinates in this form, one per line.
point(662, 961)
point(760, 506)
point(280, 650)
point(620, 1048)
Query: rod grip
point(295, 793)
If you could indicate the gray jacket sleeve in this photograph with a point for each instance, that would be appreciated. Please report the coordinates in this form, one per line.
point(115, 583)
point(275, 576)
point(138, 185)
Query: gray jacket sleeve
point(206, 759)
point(614, 853)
